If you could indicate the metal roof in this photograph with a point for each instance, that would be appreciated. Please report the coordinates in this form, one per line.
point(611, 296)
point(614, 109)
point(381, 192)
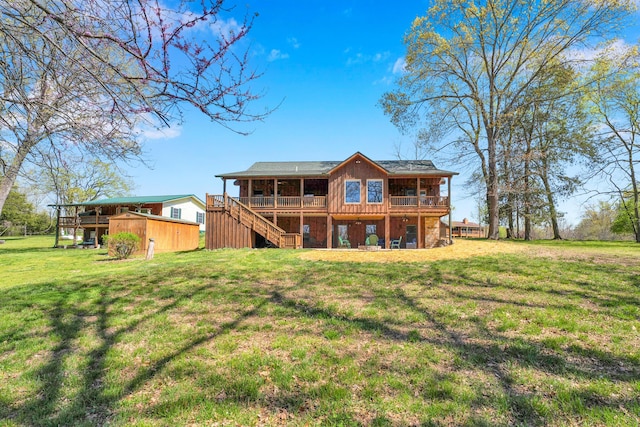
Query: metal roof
point(322, 168)
point(136, 200)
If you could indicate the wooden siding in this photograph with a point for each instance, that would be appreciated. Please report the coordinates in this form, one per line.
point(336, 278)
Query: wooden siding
point(226, 232)
point(361, 169)
point(168, 235)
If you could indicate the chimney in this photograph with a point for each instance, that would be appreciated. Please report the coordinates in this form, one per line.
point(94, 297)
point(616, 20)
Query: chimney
point(465, 221)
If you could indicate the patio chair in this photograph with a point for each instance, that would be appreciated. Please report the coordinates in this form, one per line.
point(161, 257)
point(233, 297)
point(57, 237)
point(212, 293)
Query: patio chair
point(395, 243)
point(344, 243)
point(372, 240)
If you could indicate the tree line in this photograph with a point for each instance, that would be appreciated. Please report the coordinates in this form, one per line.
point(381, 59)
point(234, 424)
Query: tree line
point(526, 93)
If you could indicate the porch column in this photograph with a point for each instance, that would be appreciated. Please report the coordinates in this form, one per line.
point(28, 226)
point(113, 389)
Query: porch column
point(301, 229)
point(387, 231)
point(55, 245)
point(95, 238)
point(420, 242)
point(329, 232)
point(75, 226)
point(418, 194)
point(302, 192)
point(224, 185)
point(449, 206)
point(275, 193)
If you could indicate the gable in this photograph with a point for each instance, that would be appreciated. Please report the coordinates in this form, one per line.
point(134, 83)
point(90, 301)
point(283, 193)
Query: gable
point(358, 159)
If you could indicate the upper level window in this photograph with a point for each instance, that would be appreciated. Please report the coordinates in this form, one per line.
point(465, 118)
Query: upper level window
point(352, 191)
point(374, 191)
point(176, 213)
point(200, 217)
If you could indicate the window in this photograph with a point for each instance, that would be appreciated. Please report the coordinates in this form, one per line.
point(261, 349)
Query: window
point(306, 229)
point(176, 213)
point(370, 229)
point(374, 191)
point(200, 217)
point(352, 191)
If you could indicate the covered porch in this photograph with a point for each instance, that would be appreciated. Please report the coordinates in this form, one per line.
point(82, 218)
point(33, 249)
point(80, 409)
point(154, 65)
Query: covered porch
point(414, 231)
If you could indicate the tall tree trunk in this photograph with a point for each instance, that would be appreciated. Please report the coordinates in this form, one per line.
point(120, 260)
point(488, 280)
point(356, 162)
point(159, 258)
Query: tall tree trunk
point(553, 213)
point(493, 203)
point(527, 190)
point(9, 179)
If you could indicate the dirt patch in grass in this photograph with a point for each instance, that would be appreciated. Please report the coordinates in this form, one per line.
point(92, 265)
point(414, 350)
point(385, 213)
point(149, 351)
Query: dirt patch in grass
point(460, 249)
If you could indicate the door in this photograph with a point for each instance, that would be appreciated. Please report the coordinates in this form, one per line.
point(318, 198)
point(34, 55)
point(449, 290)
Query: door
point(412, 237)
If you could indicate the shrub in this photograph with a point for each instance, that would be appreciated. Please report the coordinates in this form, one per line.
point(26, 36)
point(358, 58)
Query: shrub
point(123, 245)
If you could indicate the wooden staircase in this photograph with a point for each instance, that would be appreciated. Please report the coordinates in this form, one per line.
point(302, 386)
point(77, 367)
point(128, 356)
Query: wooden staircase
point(228, 221)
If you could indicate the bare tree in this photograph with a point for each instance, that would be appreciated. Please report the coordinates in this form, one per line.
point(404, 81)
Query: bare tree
point(82, 74)
point(616, 104)
point(473, 60)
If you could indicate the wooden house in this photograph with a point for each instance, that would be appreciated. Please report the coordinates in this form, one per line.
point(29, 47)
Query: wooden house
point(331, 204)
point(168, 234)
point(90, 219)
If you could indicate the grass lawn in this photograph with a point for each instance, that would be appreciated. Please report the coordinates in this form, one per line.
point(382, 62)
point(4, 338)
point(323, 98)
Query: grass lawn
point(477, 334)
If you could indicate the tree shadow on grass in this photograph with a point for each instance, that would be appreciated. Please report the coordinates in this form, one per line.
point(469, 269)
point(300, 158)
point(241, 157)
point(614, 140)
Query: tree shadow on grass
point(92, 404)
point(497, 356)
point(475, 348)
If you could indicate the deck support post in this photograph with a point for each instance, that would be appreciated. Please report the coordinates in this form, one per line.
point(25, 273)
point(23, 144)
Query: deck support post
point(387, 231)
point(449, 208)
point(420, 225)
point(75, 227)
point(329, 232)
point(302, 229)
point(57, 227)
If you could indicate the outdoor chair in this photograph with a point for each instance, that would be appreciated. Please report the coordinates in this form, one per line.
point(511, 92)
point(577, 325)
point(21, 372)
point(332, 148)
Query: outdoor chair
point(344, 243)
point(395, 243)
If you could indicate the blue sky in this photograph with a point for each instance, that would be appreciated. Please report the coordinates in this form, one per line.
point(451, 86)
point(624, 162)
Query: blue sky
point(326, 64)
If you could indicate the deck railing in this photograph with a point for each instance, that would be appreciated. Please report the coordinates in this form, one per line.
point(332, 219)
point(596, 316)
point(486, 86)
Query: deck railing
point(69, 221)
point(422, 201)
point(94, 219)
point(287, 202)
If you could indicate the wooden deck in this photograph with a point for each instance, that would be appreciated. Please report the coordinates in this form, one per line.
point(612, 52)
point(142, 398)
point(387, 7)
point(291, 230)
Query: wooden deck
point(230, 223)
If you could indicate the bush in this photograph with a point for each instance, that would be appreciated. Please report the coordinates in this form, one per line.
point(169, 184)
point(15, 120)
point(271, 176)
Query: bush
point(123, 245)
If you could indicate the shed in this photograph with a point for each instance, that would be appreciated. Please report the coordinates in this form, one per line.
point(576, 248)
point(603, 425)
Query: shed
point(168, 234)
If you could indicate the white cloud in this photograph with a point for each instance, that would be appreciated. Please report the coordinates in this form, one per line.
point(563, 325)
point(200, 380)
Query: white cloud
point(360, 58)
point(275, 54)
point(613, 51)
point(399, 66)
point(225, 28)
point(293, 42)
point(149, 132)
